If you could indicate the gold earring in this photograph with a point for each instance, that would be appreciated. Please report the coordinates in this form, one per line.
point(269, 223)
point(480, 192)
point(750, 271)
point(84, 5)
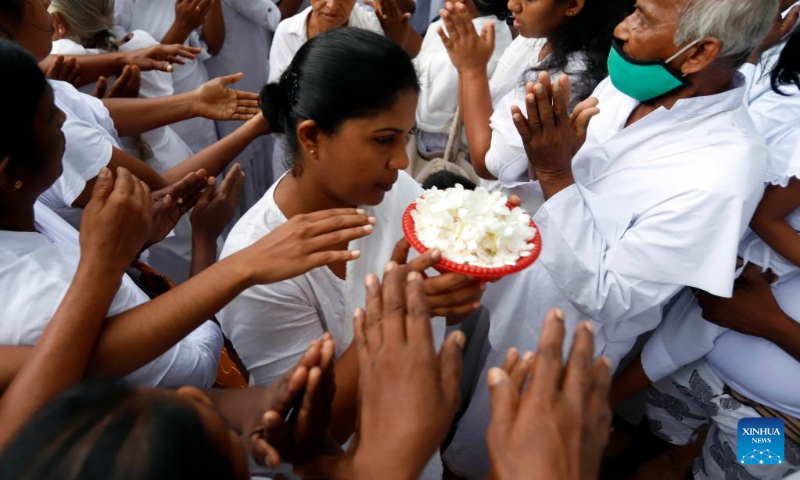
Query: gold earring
point(570, 14)
point(18, 184)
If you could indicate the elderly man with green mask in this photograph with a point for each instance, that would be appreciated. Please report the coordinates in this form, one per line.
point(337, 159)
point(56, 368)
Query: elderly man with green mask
point(645, 189)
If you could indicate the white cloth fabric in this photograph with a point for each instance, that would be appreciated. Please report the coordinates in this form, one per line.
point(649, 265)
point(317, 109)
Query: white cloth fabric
point(684, 336)
point(156, 17)
point(657, 205)
point(292, 34)
point(36, 270)
point(506, 159)
point(249, 26)
point(693, 400)
point(520, 55)
point(90, 137)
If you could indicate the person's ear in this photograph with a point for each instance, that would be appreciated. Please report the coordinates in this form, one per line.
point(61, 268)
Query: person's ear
point(574, 7)
point(9, 179)
point(60, 27)
point(309, 136)
point(701, 55)
point(196, 395)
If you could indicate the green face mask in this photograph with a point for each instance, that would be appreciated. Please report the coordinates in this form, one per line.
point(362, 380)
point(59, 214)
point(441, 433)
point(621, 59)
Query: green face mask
point(644, 80)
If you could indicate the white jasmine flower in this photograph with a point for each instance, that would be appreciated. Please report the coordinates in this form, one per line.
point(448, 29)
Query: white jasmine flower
point(473, 227)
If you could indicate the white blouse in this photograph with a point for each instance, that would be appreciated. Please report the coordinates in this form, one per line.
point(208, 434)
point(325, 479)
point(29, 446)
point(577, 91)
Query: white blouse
point(37, 269)
point(292, 34)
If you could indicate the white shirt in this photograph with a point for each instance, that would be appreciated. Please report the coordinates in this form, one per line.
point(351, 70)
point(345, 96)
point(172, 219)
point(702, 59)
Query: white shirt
point(520, 55)
point(156, 17)
point(271, 325)
point(506, 159)
point(90, 138)
point(36, 270)
point(438, 77)
point(656, 206)
point(292, 33)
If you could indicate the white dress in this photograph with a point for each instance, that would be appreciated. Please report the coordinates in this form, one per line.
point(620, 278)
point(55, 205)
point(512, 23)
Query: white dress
point(656, 206)
point(249, 26)
point(156, 17)
point(438, 79)
point(36, 270)
point(270, 326)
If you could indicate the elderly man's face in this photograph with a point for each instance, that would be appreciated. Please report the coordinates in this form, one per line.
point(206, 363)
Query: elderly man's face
point(649, 32)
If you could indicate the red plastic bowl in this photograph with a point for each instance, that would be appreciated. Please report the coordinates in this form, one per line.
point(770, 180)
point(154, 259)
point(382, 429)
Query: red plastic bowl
point(482, 273)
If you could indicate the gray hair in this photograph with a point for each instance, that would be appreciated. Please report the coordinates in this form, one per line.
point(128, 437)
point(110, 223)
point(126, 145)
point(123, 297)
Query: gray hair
point(741, 25)
point(90, 21)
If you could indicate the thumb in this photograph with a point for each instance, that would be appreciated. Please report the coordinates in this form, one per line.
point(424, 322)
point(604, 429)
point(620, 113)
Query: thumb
point(400, 253)
point(103, 186)
point(504, 401)
point(229, 79)
point(754, 275)
point(488, 33)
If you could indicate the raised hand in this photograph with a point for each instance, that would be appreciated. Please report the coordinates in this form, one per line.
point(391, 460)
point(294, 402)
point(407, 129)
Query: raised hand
point(127, 84)
point(172, 202)
point(65, 69)
point(550, 136)
point(160, 57)
point(304, 243)
point(468, 51)
point(189, 14)
point(557, 427)
point(394, 22)
point(303, 436)
point(117, 220)
point(215, 101)
point(449, 295)
point(414, 399)
point(214, 209)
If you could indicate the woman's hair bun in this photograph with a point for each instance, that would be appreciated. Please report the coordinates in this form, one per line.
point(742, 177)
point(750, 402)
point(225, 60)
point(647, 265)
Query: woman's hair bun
point(275, 106)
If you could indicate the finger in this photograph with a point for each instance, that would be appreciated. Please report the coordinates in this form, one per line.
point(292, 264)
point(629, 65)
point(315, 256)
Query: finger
point(754, 275)
point(560, 102)
point(455, 310)
point(463, 297)
point(319, 225)
point(393, 304)
point(135, 80)
point(463, 23)
point(373, 313)
point(519, 374)
point(450, 366)
point(581, 124)
point(425, 261)
point(523, 128)
point(577, 378)
point(263, 453)
point(446, 283)
point(547, 374)
point(487, 33)
point(543, 104)
point(204, 200)
point(449, 25)
point(124, 182)
point(279, 438)
point(445, 39)
point(103, 186)
point(504, 403)
point(511, 360)
point(230, 79)
point(418, 316)
point(55, 69)
point(100, 88)
point(247, 98)
point(149, 208)
point(532, 110)
point(400, 252)
point(580, 107)
point(329, 240)
point(321, 259)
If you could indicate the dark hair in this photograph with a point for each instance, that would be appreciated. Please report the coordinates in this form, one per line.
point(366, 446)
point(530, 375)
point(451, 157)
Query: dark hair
point(787, 70)
point(106, 429)
point(498, 8)
point(24, 81)
point(12, 8)
point(336, 76)
point(589, 33)
point(444, 179)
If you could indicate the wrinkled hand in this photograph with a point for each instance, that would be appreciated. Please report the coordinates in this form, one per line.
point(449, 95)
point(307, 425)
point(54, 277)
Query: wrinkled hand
point(191, 13)
point(752, 310)
point(160, 57)
point(171, 203)
point(65, 69)
point(395, 23)
point(558, 427)
point(304, 243)
point(414, 399)
point(117, 220)
point(127, 84)
point(214, 209)
point(213, 100)
point(274, 440)
point(468, 51)
point(449, 295)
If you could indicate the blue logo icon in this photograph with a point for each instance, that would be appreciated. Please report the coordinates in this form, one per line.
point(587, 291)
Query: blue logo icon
point(760, 441)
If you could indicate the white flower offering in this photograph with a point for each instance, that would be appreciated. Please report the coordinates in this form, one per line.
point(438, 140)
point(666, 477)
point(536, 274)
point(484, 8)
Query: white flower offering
point(473, 227)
